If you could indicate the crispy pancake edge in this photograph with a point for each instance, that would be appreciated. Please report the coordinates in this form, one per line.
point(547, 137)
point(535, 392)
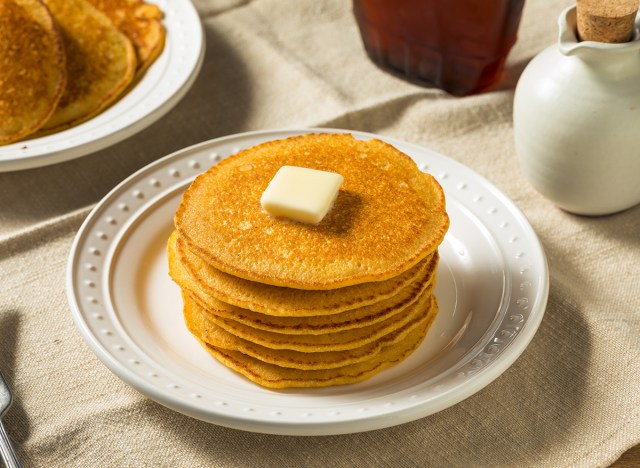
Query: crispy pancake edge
point(326, 306)
point(306, 379)
point(295, 359)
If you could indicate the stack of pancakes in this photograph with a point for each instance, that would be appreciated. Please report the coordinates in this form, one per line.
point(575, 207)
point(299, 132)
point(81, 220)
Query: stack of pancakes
point(288, 304)
point(64, 61)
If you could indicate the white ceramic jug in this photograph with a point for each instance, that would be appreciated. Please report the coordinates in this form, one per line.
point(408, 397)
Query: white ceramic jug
point(576, 122)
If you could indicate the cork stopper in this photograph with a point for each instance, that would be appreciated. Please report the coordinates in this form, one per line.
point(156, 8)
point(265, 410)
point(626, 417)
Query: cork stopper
point(606, 20)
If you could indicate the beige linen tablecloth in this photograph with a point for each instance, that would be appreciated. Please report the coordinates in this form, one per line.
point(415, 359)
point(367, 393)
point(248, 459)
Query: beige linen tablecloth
point(572, 398)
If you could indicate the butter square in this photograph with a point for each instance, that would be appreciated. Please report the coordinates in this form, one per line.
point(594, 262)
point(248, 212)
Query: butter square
point(301, 194)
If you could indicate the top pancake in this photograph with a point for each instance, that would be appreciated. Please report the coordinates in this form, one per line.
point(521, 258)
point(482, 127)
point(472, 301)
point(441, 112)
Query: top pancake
point(101, 62)
point(387, 217)
point(32, 68)
point(141, 22)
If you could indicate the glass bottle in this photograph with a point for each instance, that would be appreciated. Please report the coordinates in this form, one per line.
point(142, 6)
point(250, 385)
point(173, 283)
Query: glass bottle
point(456, 45)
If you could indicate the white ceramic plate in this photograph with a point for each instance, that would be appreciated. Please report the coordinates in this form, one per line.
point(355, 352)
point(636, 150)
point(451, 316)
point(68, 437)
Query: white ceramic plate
point(492, 290)
point(162, 86)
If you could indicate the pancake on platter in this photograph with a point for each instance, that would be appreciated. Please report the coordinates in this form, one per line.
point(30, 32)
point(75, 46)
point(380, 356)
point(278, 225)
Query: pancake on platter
point(141, 22)
point(388, 215)
point(288, 302)
point(101, 62)
point(32, 68)
point(272, 376)
point(219, 338)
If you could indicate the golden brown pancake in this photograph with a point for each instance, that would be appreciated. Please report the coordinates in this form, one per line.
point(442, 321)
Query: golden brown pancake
point(101, 62)
point(321, 324)
point(141, 22)
point(387, 217)
point(32, 68)
point(272, 376)
point(202, 278)
point(333, 341)
point(195, 318)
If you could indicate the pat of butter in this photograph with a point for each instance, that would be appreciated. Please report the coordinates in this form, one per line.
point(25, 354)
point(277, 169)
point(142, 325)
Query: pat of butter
point(301, 194)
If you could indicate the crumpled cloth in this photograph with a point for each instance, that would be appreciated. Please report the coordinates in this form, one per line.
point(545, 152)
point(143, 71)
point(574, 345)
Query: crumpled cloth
point(571, 399)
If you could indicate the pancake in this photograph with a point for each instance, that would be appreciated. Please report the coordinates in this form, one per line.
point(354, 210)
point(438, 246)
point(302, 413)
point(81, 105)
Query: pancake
point(333, 341)
point(388, 215)
point(206, 280)
point(32, 70)
point(141, 22)
point(355, 318)
point(272, 376)
point(219, 338)
point(101, 62)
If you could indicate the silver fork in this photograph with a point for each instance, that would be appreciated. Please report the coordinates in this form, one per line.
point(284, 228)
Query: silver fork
point(7, 454)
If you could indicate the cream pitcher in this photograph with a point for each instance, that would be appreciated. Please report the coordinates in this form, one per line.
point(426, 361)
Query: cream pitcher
point(577, 116)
